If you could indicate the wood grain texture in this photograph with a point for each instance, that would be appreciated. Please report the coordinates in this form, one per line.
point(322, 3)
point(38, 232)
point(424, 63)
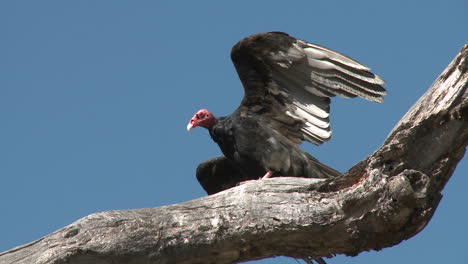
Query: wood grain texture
point(386, 198)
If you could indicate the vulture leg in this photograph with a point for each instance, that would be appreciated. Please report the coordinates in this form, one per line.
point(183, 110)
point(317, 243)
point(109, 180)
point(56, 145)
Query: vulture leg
point(267, 175)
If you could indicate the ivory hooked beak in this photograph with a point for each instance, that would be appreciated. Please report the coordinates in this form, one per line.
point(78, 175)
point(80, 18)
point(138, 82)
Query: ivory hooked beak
point(189, 126)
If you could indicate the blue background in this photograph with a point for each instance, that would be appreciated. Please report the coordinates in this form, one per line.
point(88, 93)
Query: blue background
point(95, 97)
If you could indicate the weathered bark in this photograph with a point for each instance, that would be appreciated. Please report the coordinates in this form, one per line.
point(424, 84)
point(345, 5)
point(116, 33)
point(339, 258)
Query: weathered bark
point(386, 198)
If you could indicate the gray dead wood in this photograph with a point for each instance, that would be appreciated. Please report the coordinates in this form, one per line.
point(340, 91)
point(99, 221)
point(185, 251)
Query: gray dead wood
point(386, 198)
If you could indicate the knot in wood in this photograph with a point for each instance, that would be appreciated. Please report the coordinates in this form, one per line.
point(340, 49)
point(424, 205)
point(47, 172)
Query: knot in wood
point(400, 188)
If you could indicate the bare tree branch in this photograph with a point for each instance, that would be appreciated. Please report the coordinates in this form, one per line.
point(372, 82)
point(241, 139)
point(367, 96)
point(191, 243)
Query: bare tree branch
point(386, 198)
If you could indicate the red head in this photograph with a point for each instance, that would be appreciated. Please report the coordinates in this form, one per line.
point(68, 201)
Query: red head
point(203, 118)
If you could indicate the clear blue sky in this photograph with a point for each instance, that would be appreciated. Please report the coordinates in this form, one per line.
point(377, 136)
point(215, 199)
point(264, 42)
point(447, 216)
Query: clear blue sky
point(95, 97)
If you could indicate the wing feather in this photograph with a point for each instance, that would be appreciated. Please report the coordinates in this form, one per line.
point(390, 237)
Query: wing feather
point(292, 79)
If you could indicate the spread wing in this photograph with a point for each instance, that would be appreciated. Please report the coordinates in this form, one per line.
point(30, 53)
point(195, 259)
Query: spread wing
point(289, 82)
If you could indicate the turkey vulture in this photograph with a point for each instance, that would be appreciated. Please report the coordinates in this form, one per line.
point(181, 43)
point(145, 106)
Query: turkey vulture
point(287, 88)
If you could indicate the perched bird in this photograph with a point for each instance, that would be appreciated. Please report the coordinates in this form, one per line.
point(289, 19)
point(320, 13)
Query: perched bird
point(287, 88)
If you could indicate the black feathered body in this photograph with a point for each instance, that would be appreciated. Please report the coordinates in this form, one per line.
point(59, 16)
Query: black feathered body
point(252, 145)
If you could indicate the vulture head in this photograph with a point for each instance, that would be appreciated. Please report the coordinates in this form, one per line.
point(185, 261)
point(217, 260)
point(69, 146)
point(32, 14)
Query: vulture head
point(203, 118)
